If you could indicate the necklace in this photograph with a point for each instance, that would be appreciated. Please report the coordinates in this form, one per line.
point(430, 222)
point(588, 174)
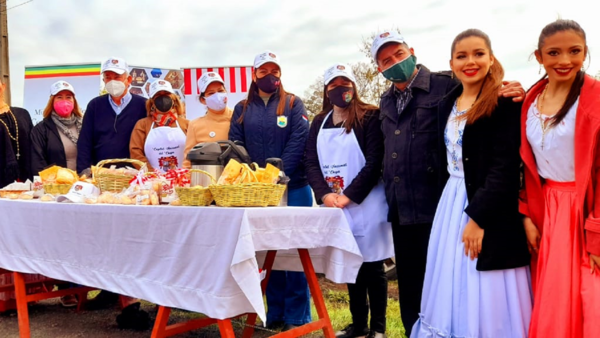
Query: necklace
point(543, 122)
point(16, 137)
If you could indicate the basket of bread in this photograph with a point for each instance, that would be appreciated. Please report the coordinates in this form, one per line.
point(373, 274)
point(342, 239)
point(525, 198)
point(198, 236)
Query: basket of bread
point(57, 180)
point(197, 195)
point(114, 179)
point(240, 185)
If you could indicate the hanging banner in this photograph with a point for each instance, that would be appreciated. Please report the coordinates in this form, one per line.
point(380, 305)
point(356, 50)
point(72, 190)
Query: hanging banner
point(85, 79)
point(237, 82)
point(142, 77)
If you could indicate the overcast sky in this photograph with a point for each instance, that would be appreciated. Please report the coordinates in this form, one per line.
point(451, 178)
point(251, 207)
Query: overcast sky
point(308, 35)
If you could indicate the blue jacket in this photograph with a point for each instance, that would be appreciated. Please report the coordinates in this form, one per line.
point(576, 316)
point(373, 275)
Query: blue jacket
point(263, 137)
point(104, 134)
point(414, 163)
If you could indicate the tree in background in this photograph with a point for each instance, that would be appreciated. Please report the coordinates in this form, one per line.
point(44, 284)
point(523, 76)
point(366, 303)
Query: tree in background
point(370, 84)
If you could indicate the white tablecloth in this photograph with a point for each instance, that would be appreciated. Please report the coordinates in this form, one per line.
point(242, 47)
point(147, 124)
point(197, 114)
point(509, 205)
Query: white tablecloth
point(199, 259)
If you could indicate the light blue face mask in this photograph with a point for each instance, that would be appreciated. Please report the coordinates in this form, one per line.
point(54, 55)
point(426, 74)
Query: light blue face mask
point(401, 71)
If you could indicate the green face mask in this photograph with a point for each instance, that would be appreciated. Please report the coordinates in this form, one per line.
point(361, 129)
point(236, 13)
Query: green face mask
point(401, 71)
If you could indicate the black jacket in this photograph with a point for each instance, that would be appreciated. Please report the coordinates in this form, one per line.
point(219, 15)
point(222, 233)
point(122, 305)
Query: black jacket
point(413, 169)
point(370, 140)
point(491, 163)
point(46, 147)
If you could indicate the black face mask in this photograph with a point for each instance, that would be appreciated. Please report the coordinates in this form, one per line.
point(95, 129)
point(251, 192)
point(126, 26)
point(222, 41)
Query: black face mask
point(163, 103)
point(268, 83)
point(341, 96)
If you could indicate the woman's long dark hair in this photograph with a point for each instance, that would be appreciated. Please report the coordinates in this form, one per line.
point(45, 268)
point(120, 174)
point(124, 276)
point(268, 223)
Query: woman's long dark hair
point(558, 26)
point(356, 112)
point(487, 100)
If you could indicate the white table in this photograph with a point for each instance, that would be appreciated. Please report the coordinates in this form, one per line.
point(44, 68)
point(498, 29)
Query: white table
point(201, 259)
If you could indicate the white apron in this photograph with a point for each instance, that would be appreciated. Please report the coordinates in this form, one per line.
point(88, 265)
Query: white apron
point(341, 160)
point(164, 147)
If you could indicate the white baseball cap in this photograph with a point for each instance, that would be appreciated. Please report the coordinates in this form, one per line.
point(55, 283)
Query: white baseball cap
point(59, 86)
point(208, 78)
point(266, 57)
point(383, 38)
point(79, 192)
point(158, 85)
point(339, 69)
point(117, 65)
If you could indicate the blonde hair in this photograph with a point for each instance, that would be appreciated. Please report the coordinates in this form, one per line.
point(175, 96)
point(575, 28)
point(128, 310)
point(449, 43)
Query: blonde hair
point(50, 107)
point(177, 104)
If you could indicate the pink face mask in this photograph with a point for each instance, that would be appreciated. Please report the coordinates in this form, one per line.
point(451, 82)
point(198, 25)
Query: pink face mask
point(63, 108)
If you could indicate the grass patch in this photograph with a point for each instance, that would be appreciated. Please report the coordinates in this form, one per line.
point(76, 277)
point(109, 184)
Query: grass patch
point(339, 313)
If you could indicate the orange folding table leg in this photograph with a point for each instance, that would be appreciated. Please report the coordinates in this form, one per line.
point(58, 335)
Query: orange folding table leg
point(267, 266)
point(324, 322)
point(22, 311)
point(316, 293)
point(160, 324)
point(226, 329)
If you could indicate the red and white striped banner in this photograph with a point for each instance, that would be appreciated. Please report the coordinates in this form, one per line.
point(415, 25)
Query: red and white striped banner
point(237, 82)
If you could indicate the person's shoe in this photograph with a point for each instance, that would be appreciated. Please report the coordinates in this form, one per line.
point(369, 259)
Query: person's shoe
point(276, 325)
point(374, 334)
point(288, 327)
point(68, 301)
point(133, 318)
point(351, 331)
point(103, 300)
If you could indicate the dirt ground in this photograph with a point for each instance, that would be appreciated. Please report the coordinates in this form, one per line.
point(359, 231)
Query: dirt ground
point(49, 320)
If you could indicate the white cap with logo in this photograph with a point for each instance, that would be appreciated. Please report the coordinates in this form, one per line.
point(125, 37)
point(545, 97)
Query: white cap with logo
point(208, 78)
point(339, 69)
point(266, 57)
point(158, 85)
point(117, 65)
point(59, 86)
point(79, 192)
point(383, 38)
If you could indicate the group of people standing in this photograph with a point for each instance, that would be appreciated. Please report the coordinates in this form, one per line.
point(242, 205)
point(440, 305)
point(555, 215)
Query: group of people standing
point(487, 195)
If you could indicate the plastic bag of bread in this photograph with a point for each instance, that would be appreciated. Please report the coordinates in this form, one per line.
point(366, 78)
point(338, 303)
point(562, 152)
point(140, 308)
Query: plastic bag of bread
point(47, 198)
point(28, 195)
point(106, 197)
point(231, 172)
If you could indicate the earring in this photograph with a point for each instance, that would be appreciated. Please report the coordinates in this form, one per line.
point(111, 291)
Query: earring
point(452, 75)
point(540, 70)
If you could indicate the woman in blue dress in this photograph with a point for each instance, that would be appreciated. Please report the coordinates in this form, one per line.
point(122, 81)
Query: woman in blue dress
point(477, 280)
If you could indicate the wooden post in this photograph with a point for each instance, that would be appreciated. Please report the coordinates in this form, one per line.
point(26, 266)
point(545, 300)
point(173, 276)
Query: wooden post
point(4, 55)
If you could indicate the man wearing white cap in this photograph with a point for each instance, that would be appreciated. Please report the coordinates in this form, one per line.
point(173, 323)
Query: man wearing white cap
point(414, 160)
point(214, 125)
point(54, 140)
point(109, 119)
point(159, 139)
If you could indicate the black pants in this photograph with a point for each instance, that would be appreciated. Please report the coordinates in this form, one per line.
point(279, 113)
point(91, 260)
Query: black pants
point(410, 246)
point(371, 281)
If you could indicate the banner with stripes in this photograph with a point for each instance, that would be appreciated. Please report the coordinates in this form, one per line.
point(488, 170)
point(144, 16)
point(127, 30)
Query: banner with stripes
point(85, 79)
point(237, 82)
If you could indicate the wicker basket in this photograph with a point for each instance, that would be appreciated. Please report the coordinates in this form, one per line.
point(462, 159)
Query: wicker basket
point(113, 182)
point(244, 195)
point(277, 195)
point(196, 196)
point(57, 189)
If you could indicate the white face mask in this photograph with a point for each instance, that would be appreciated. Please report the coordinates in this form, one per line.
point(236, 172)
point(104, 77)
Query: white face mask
point(115, 88)
point(217, 101)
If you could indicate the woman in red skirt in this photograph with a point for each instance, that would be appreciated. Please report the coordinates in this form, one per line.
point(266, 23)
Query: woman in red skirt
point(561, 200)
